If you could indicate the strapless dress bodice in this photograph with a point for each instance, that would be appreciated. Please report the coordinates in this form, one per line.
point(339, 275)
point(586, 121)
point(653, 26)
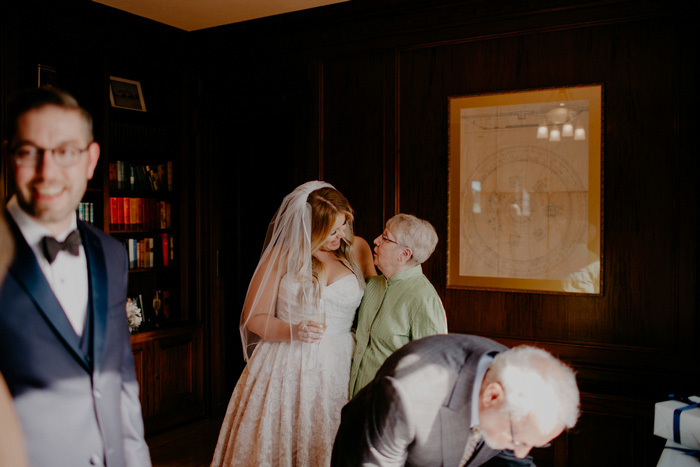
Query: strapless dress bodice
point(339, 301)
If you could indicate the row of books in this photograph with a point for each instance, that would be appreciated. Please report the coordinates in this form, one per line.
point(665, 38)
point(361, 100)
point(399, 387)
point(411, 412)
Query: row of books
point(86, 212)
point(144, 177)
point(138, 213)
point(150, 252)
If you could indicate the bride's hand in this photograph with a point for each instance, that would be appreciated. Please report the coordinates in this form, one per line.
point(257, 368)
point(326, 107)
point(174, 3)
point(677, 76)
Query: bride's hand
point(309, 331)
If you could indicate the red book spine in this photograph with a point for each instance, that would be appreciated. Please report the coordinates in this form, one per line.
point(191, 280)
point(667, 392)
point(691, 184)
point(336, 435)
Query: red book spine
point(112, 175)
point(133, 214)
point(151, 243)
point(152, 222)
point(139, 212)
point(127, 213)
point(120, 213)
point(161, 214)
point(112, 213)
point(166, 249)
point(147, 213)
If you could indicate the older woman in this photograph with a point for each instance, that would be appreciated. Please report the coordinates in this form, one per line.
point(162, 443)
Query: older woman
point(400, 305)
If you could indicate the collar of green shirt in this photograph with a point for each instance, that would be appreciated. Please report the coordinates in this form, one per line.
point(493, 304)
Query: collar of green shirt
point(407, 274)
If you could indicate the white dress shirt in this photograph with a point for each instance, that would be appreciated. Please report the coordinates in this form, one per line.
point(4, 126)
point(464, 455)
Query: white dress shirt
point(67, 275)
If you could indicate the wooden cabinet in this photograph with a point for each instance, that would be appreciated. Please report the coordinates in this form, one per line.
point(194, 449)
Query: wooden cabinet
point(169, 370)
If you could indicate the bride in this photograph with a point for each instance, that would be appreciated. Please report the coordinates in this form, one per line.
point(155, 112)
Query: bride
point(295, 328)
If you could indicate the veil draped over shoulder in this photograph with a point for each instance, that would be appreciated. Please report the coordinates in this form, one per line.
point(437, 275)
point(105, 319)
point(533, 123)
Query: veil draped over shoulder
point(287, 251)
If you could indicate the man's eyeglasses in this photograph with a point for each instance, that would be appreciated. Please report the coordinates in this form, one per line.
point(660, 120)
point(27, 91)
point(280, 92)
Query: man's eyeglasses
point(520, 443)
point(27, 155)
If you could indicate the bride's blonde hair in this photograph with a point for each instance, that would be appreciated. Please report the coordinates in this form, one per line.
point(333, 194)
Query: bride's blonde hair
point(326, 203)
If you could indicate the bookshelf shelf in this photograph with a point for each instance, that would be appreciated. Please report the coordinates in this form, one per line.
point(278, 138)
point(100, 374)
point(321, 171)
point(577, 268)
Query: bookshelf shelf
point(119, 233)
point(154, 269)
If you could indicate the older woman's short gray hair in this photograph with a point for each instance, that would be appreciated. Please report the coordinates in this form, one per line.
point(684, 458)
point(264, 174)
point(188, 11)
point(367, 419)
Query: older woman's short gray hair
point(417, 234)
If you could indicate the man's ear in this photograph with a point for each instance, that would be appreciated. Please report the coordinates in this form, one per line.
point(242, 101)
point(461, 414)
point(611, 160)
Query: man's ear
point(493, 395)
point(93, 157)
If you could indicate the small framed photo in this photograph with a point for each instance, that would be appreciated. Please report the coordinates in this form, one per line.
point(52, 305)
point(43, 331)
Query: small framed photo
point(47, 76)
point(126, 94)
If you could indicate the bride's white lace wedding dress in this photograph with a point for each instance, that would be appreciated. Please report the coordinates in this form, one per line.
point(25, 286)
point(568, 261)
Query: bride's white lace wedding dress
point(285, 409)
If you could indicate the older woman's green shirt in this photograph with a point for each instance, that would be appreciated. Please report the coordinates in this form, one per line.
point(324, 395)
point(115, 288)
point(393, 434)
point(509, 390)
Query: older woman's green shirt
point(393, 313)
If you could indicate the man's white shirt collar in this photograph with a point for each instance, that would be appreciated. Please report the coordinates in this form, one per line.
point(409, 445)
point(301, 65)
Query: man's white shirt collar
point(484, 364)
point(32, 231)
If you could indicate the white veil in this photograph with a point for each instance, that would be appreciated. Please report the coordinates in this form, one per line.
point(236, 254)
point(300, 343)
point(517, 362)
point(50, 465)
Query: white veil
point(287, 250)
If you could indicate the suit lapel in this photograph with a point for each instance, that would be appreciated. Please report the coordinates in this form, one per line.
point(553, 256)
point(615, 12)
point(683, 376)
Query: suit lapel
point(455, 417)
point(97, 285)
point(26, 271)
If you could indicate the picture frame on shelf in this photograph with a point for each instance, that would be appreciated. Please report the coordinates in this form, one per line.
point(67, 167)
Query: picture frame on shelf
point(126, 94)
point(525, 191)
point(46, 76)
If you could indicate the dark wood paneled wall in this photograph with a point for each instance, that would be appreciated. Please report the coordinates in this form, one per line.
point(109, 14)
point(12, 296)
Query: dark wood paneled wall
point(356, 93)
point(365, 88)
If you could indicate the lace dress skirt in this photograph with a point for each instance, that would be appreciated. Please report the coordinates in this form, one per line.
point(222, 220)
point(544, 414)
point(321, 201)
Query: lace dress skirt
point(285, 409)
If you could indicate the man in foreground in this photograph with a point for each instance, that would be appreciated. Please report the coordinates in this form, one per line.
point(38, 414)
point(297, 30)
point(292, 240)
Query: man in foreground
point(65, 351)
point(458, 400)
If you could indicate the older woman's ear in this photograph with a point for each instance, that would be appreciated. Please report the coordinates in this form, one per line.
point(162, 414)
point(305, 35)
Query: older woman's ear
point(407, 253)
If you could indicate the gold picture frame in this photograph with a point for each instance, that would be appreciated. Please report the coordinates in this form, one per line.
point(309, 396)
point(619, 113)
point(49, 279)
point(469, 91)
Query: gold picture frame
point(525, 191)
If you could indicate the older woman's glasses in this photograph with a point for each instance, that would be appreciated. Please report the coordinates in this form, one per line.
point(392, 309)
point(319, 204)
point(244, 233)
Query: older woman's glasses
point(387, 239)
point(520, 443)
point(27, 155)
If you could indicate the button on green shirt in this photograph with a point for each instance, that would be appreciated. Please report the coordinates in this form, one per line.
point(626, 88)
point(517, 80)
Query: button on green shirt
point(393, 313)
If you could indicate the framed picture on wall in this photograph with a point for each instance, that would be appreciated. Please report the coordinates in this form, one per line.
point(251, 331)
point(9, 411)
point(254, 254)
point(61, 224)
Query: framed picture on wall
point(126, 94)
point(525, 191)
point(47, 76)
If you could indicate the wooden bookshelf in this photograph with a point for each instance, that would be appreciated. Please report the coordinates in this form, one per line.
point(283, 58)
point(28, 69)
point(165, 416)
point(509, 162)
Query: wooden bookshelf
point(139, 197)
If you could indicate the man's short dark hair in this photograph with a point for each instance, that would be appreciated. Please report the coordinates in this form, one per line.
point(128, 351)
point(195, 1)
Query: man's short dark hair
point(34, 98)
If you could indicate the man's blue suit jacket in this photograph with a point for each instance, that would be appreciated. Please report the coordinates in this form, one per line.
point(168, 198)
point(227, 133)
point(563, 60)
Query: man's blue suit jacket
point(76, 407)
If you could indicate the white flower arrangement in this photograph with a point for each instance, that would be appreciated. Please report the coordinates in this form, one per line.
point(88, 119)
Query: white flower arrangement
point(133, 315)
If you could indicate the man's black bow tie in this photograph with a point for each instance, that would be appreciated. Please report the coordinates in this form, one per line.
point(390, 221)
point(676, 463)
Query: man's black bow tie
point(51, 246)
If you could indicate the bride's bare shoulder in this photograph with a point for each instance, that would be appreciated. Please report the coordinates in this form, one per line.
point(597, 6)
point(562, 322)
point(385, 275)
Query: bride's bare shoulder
point(364, 257)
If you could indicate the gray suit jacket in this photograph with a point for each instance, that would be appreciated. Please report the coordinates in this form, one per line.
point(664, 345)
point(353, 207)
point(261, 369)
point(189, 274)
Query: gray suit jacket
point(417, 410)
point(77, 406)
